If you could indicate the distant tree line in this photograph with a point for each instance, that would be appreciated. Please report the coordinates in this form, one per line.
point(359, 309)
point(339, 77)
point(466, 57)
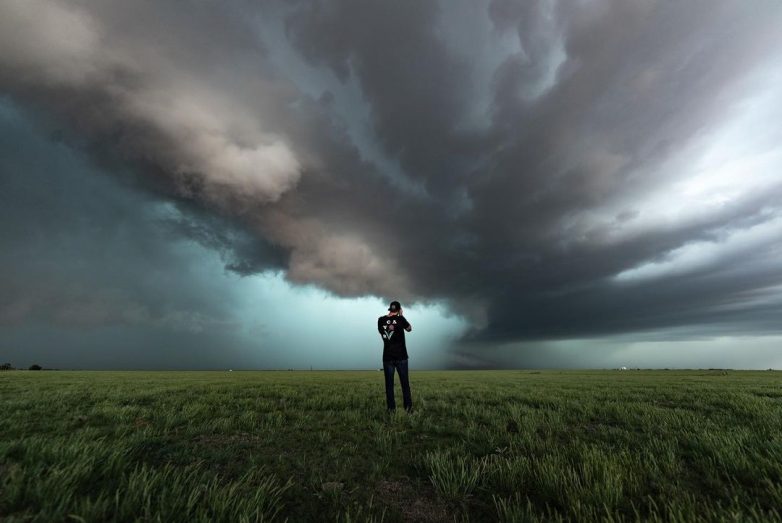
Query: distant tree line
point(8, 366)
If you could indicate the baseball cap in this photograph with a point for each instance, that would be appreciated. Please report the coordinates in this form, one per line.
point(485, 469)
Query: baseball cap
point(395, 306)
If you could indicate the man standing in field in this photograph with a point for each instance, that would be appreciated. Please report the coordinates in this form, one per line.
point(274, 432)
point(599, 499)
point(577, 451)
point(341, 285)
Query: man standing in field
point(392, 329)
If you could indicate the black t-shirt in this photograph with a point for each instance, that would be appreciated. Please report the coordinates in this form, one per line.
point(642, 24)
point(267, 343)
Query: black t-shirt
point(392, 330)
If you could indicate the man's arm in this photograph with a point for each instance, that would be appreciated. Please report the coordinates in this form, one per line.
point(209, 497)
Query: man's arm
point(380, 328)
point(408, 327)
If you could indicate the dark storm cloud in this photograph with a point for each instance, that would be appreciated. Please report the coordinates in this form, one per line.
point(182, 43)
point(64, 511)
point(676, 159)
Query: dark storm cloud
point(525, 162)
point(81, 251)
point(631, 86)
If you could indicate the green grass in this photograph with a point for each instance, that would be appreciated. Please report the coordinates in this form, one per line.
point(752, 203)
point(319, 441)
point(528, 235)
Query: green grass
point(319, 446)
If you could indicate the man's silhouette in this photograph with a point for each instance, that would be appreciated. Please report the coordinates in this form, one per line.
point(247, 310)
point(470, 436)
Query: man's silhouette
point(392, 329)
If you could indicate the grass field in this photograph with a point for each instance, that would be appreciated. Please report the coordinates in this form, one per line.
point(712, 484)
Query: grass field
point(319, 446)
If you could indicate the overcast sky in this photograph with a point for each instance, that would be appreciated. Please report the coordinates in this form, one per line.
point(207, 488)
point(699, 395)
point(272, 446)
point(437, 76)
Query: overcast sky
point(215, 184)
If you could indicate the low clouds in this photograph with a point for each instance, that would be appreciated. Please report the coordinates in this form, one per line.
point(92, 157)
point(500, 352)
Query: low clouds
point(546, 169)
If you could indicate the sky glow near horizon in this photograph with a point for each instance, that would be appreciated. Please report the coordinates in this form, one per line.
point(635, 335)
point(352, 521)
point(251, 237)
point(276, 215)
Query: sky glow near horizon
point(541, 184)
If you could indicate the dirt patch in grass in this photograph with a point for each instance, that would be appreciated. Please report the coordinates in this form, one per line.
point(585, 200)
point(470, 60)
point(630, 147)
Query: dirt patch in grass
point(141, 423)
point(415, 504)
point(217, 440)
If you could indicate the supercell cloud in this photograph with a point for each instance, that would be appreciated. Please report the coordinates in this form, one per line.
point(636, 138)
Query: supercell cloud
point(549, 170)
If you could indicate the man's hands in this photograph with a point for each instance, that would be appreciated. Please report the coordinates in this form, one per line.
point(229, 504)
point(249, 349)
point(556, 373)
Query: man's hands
point(400, 314)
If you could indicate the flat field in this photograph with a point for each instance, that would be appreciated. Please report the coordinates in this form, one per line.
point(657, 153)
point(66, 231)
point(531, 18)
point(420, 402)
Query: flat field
point(318, 446)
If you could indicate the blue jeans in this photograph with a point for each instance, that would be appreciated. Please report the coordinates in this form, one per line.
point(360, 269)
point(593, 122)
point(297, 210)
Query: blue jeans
point(388, 369)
